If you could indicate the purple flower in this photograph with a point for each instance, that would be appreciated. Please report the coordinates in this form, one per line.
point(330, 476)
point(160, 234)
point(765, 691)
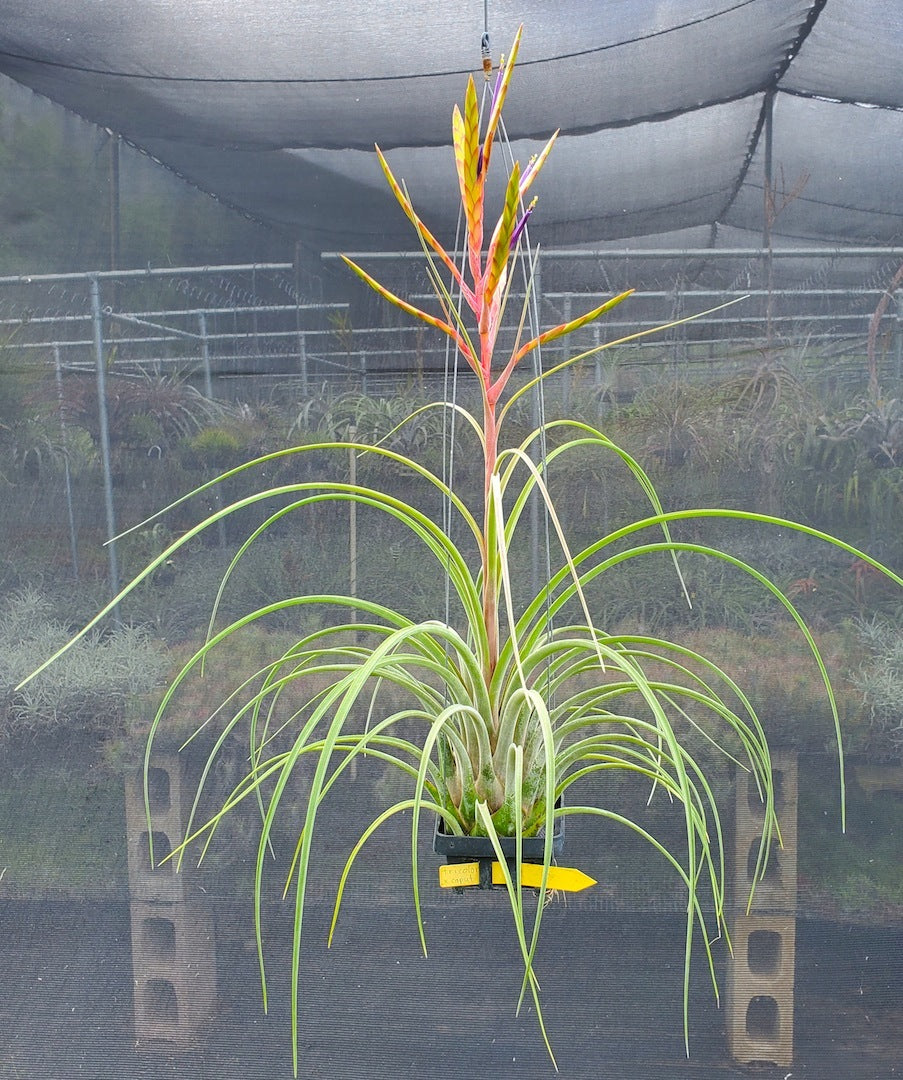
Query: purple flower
point(498, 83)
point(521, 225)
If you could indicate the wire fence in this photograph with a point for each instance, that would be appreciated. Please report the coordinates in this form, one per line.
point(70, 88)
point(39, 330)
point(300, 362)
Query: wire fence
point(238, 328)
point(139, 357)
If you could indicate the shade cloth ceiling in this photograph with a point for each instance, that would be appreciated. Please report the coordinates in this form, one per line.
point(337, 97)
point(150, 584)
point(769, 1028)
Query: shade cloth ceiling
point(274, 106)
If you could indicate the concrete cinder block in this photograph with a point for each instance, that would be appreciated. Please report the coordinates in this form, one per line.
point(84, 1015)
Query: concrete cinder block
point(173, 941)
point(165, 794)
point(775, 890)
point(761, 973)
point(174, 969)
point(760, 989)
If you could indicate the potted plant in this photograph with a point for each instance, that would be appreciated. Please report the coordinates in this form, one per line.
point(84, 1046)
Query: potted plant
point(511, 708)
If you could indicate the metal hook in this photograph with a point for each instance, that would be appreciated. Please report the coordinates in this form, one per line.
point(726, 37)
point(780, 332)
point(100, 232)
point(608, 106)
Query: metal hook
point(486, 52)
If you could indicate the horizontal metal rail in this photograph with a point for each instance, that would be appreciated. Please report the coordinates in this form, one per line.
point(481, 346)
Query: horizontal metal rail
point(173, 335)
point(581, 255)
point(362, 351)
point(149, 272)
point(256, 309)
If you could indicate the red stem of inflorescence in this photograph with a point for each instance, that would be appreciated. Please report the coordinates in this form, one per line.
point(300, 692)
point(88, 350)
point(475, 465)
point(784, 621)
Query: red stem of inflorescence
point(489, 272)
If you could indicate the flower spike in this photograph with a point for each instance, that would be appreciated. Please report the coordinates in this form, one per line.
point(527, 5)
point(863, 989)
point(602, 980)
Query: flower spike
point(550, 335)
point(466, 137)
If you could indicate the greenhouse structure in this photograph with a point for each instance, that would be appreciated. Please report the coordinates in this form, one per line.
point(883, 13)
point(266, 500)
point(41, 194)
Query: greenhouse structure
point(450, 506)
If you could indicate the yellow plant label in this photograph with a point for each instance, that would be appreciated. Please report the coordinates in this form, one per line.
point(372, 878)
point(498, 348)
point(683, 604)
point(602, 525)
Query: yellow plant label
point(560, 879)
point(455, 875)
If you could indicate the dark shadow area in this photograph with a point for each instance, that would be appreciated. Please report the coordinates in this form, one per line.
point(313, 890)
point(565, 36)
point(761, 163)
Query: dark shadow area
point(374, 1007)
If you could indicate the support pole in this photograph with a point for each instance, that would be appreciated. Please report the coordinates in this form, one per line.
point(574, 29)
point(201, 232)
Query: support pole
point(352, 552)
point(352, 524)
point(566, 372)
point(205, 355)
point(768, 178)
point(114, 202)
point(536, 570)
point(208, 393)
point(100, 367)
point(73, 541)
point(302, 340)
point(769, 211)
point(597, 360)
point(115, 242)
point(302, 364)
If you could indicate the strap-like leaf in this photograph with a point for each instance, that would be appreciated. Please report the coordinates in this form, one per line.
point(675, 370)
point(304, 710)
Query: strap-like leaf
point(551, 335)
point(417, 312)
point(425, 233)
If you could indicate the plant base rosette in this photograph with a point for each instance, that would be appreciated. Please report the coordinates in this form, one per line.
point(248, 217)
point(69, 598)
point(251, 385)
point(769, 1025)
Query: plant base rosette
point(460, 848)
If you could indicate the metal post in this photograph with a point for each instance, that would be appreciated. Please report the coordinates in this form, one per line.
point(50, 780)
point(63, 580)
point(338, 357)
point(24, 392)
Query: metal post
point(769, 168)
point(566, 349)
point(208, 391)
point(302, 363)
point(114, 201)
point(115, 253)
point(352, 524)
point(898, 345)
point(73, 542)
point(352, 554)
point(302, 340)
point(597, 359)
point(768, 218)
point(257, 349)
point(536, 574)
point(100, 365)
point(205, 355)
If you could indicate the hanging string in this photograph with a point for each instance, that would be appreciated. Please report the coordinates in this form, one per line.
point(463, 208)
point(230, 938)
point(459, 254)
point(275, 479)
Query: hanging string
point(449, 418)
point(532, 288)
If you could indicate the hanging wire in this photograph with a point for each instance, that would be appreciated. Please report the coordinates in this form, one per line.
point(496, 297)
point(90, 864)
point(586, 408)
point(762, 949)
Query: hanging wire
point(449, 419)
point(532, 286)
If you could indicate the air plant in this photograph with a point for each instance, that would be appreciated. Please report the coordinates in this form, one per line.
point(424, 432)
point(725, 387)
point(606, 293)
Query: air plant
point(511, 709)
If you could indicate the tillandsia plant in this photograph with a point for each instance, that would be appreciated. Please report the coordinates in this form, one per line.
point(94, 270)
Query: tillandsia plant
point(512, 709)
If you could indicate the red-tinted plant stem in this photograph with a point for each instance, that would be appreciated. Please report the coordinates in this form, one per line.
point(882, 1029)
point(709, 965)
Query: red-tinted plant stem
point(490, 563)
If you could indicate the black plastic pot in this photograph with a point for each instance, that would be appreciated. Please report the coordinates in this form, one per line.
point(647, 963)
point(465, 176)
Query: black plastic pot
point(466, 848)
